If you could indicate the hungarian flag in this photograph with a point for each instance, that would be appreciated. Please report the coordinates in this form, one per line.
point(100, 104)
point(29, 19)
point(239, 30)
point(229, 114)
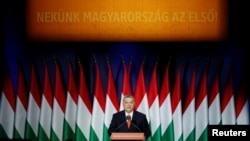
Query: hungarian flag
point(7, 108)
point(214, 111)
point(84, 109)
point(126, 88)
point(140, 94)
point(21, 106)
point(177, 106)
point(112, 104)
point(201, 108)
point(71, 106)
point(98, 115)
point(58, 107)
point(46, 108)
point(227, 105)
point(189, 110)
point(153, 102)
point(242, 102)
point(34, 103)
point(167, 132)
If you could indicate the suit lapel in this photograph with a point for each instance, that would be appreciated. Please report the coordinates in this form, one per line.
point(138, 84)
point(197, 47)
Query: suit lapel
point(134, 116)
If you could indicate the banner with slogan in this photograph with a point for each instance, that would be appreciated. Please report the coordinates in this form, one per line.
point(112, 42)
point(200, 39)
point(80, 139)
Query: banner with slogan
point(127, 20)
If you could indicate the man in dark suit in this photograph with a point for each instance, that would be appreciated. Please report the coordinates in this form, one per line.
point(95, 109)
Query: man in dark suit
point(138, 120)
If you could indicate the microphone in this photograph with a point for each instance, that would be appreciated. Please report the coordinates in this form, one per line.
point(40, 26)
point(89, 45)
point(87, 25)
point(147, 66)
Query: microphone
point(127, 118)
point(132, 122)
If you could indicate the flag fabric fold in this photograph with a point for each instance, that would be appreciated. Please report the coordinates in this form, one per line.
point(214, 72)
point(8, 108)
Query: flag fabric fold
point(7, 108)
point(201, 110)
point(188, 117)
point(59, 103)
point(177, 106)
point(153, 102)
point(34, 103)
point(167, 132)
point(84, 109)
point(98, 112)
point(112, 104)
point(228, 103)
point(140, 94)
point(21, 106)
point(71, 106)
point(46, 108)
point(214, 111)
point(242, 101)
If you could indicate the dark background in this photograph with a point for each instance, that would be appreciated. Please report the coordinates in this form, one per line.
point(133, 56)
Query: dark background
point(16, 46)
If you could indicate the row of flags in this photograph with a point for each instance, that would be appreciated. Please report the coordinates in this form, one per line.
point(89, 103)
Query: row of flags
point(58, 115)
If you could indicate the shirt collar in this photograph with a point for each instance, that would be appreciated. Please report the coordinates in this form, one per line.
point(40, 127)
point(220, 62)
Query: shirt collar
point(131, 114)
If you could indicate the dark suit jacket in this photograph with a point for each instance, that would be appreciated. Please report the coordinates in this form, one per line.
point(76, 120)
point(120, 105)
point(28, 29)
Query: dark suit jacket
point(139, 123)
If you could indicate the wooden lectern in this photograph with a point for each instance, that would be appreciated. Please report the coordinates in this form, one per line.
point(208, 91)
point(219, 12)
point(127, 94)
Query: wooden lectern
point(127, 136)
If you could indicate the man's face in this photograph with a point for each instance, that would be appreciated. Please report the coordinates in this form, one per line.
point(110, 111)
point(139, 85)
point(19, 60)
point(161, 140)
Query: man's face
point(128, 104)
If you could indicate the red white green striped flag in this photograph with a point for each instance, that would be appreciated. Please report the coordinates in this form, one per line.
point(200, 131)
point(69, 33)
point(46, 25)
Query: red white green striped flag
point(201, 107)
point(112, 104)
point(177, 106)
point(84, 109)
point(126, 88)
point(59, 103)
point(167, 132)
point(34, 103)
point(98, 115)
point(227, 106)
point(71, 106)
point(189, 111)
point(46, 108)
point(21, 106)
point(7, 108)
point(153, 102)
point(242, 102)
point(140, 94)
point(214, 111)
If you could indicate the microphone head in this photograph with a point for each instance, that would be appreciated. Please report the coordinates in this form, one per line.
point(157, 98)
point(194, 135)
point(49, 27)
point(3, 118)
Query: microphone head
point(128, 117)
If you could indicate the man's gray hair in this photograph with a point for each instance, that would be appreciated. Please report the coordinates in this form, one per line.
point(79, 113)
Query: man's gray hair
point(128, 96)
